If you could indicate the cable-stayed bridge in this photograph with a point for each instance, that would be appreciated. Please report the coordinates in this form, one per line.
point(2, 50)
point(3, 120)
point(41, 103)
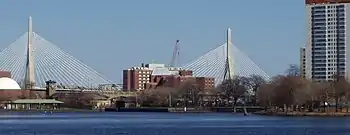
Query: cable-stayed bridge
point(52, 63)
point(213, 64)
point(225, 60)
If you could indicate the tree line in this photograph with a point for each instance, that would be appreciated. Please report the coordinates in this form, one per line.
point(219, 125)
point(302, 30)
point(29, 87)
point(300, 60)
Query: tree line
point(236, 91)
point(290, 92)
point(287, 92)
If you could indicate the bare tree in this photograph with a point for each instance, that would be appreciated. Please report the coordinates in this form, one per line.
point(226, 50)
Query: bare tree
point(255, 81)
point(265, 95)
point(323, 92)
point(234, 89)
point(290, 91)
point(189, 93)
point(312, 101)
point(155, 97)
point(347, 98)
point(340, 87)
point(78, 100)
point(291, 88)
point(301, 95)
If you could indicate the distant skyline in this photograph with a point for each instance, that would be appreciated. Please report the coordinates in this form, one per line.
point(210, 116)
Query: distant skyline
point(103, 34)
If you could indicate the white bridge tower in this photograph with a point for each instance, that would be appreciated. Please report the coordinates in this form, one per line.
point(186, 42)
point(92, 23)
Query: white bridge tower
point(229, 69)
point(30, 73)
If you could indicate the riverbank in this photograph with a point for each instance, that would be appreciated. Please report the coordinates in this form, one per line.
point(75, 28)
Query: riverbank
point(314, 114)
point(62, 110)
point(159, 109)
point(239, 109)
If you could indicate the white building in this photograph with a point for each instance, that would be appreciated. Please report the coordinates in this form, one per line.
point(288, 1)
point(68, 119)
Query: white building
point(327, 49)
point(302, 62)
point(8, 84)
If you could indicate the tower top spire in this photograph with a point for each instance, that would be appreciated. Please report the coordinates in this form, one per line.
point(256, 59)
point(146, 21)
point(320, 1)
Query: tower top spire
point(228, 34)
point(30, 30)
point(29, 23)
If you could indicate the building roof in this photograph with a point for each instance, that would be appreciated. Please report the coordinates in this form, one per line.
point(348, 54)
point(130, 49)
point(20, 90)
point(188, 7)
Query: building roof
point(8, 84)
point(83, 95)
point(161, 71)
point(308, 2)
point(36, 101)
point(164, 71)
point(153, 66)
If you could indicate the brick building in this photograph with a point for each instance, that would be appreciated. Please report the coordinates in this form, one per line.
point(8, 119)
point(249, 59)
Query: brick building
point(136, 78)
point(175, 81)
point(10, 89)
point(205, 83)
point(5, 74)
point(151, 76)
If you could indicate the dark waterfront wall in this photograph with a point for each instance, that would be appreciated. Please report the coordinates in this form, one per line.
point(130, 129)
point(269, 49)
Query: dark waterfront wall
point(13, 94)
point(37, 94)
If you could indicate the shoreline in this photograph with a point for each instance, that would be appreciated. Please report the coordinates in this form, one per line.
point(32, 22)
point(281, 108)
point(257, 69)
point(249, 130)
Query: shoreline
point(66, 110)
point(181, 110)
point(304, 114)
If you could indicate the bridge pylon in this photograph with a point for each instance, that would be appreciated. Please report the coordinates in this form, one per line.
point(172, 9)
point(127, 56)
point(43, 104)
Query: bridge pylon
point(30, 65)
point(229, 69)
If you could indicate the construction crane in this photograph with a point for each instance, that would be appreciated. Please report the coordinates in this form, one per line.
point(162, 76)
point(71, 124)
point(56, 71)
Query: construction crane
point(176, 53)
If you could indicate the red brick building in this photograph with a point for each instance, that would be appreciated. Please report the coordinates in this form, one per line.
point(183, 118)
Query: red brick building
point(177, 81)
point(9, 88)
point(5, 74)
point(136, 78)
point(6, 95)
point(151, 76)
point(205, 83)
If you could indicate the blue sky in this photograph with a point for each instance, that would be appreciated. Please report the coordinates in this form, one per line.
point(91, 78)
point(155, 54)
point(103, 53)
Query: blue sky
point(103, 33)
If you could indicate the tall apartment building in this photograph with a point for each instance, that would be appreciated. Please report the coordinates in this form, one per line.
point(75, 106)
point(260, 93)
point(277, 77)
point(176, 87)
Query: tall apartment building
point(327, 48)
point(302, 62)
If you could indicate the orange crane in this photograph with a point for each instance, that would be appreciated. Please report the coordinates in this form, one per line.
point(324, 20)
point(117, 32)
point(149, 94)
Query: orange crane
point(176, 53)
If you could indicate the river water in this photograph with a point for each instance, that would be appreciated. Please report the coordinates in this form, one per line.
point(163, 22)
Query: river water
point(168, 124)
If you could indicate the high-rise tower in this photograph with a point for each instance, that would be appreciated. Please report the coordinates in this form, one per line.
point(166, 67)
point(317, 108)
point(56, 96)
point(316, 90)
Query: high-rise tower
point(30, 74)
point(302, 62)
point(328, 48)
point(229, 70)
